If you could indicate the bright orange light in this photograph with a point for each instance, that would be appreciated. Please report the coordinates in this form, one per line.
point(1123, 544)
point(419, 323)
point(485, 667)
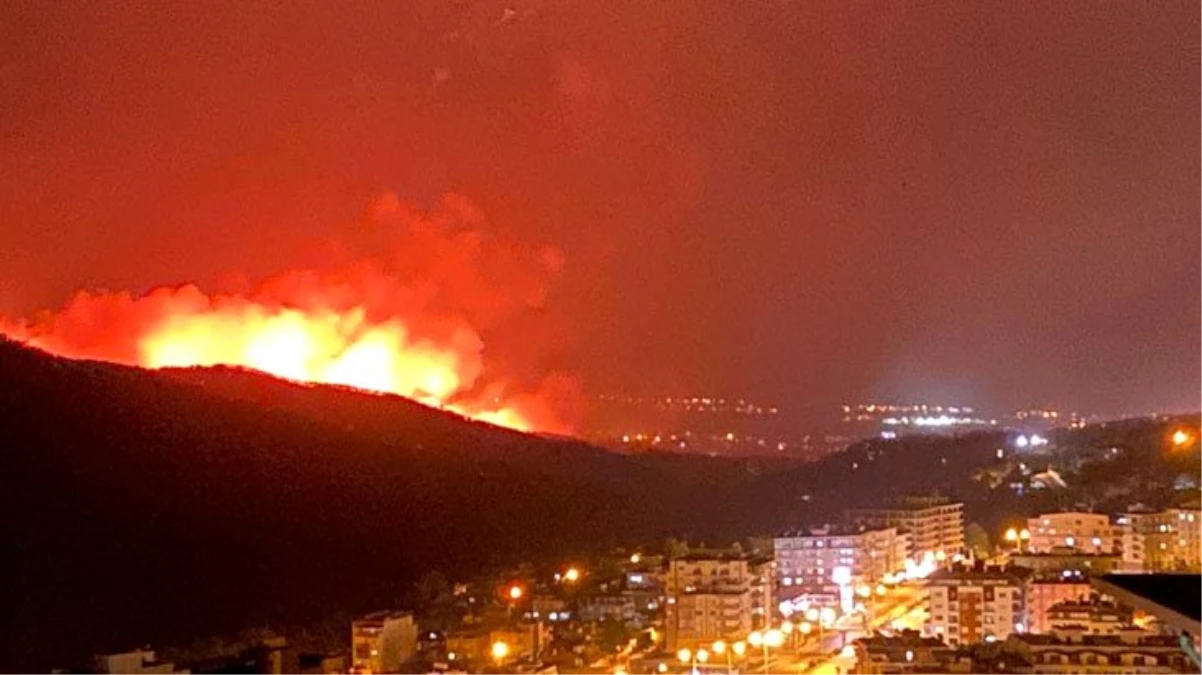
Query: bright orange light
point(321, 346)
point(571, 575)
point(1011, 534)
point(499, 650)
point(516, 592)
point(1181, 438)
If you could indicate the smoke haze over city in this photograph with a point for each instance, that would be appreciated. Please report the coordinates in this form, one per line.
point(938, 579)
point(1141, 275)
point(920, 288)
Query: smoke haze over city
point(993, 204)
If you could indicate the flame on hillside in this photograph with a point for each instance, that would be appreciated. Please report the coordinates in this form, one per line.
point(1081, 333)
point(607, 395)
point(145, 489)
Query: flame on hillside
point(399, 310)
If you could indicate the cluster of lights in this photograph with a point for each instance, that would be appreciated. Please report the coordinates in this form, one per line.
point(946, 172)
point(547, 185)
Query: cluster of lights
point(1037, 414)
point(867, 412)
point(1032, 441)
point(682, 440)
point(935, 421)
point(699, 404)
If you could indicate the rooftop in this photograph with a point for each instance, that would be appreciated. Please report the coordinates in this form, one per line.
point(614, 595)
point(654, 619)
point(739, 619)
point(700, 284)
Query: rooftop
point(1172, 598)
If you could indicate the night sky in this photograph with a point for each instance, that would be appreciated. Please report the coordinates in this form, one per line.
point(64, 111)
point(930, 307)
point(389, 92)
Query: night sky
point(988, 203)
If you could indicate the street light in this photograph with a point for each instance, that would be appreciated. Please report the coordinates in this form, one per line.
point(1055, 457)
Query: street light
point(571, 575)
point(515, 592)
point(720, 649)
point(499, 651)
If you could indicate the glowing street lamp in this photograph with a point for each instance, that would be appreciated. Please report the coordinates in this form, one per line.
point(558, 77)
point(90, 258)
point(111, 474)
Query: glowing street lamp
point(774, 638)
point(499, 650)
point(1011, 535)
point(516, 592)
point(572, 575)
point(739, 648)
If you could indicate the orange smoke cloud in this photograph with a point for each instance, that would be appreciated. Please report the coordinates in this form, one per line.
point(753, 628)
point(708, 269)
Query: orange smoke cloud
point(398, 309)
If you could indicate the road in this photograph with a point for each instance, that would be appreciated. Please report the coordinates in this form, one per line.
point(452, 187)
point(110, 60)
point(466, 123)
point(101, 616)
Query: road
point(903, 607)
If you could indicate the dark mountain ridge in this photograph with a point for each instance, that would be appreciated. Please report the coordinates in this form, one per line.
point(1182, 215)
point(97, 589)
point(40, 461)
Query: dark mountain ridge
point(161, 505)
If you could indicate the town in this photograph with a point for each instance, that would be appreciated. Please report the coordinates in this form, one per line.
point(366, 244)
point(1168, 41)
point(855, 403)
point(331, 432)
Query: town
point(901, 586)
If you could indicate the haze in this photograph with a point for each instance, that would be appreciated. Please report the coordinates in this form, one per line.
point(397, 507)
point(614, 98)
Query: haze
point(807, 202)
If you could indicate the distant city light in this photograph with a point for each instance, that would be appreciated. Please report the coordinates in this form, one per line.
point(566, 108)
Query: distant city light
point(572, 575)
point(515, 592)
point(1181, 438)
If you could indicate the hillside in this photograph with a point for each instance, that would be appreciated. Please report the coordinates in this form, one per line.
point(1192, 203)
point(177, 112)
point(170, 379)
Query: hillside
point(161, 506)
point(158, 506)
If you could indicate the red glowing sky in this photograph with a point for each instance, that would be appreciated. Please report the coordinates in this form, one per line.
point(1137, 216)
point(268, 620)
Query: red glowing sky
point(811, 203)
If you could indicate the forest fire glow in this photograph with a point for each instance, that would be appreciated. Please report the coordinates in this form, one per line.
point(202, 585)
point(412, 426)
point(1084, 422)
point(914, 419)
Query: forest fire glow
point(405, 323)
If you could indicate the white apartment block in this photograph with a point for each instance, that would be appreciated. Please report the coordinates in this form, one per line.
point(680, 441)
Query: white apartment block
point(1089, 532)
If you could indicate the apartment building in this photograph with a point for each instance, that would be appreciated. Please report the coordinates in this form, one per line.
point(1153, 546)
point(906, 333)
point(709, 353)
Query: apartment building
point(713, 596)
point(1089, 532)
point(968, 605)
point(806, 560)
point(934, 524)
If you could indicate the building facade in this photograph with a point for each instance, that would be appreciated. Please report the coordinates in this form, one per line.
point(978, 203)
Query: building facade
point(712, 596)
point(806, 560)
point(934, 524)
point(1092, 616)
point(382, 642)
point(1133, 652)
point(1089, 532)
point(907, 652)
point(966, 606)
point(1043, 594)
point(1163, 541)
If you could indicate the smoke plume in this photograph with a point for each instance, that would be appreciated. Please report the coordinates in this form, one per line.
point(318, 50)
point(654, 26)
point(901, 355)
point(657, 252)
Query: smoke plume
point(396, 304)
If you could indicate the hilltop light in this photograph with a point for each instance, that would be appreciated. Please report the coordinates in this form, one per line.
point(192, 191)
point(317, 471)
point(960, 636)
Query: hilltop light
point(1181, 438)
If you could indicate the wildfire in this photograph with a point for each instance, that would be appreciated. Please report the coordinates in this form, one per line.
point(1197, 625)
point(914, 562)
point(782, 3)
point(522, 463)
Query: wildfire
point(355, 325)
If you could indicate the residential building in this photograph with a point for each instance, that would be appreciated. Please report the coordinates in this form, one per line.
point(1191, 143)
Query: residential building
point(1089, 532)
point(907, 652)
point(805, 560)
point(714, 595)
point(1164, 541)
point(1093, 616)
point(381, 642)
point(136, 662)
point(645, 585)
point(935, 525)
point(1044, 593)
point(1068, 562)
point(1074, 652)
point(969, 605)
point(598, 608)
point(473, 646)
